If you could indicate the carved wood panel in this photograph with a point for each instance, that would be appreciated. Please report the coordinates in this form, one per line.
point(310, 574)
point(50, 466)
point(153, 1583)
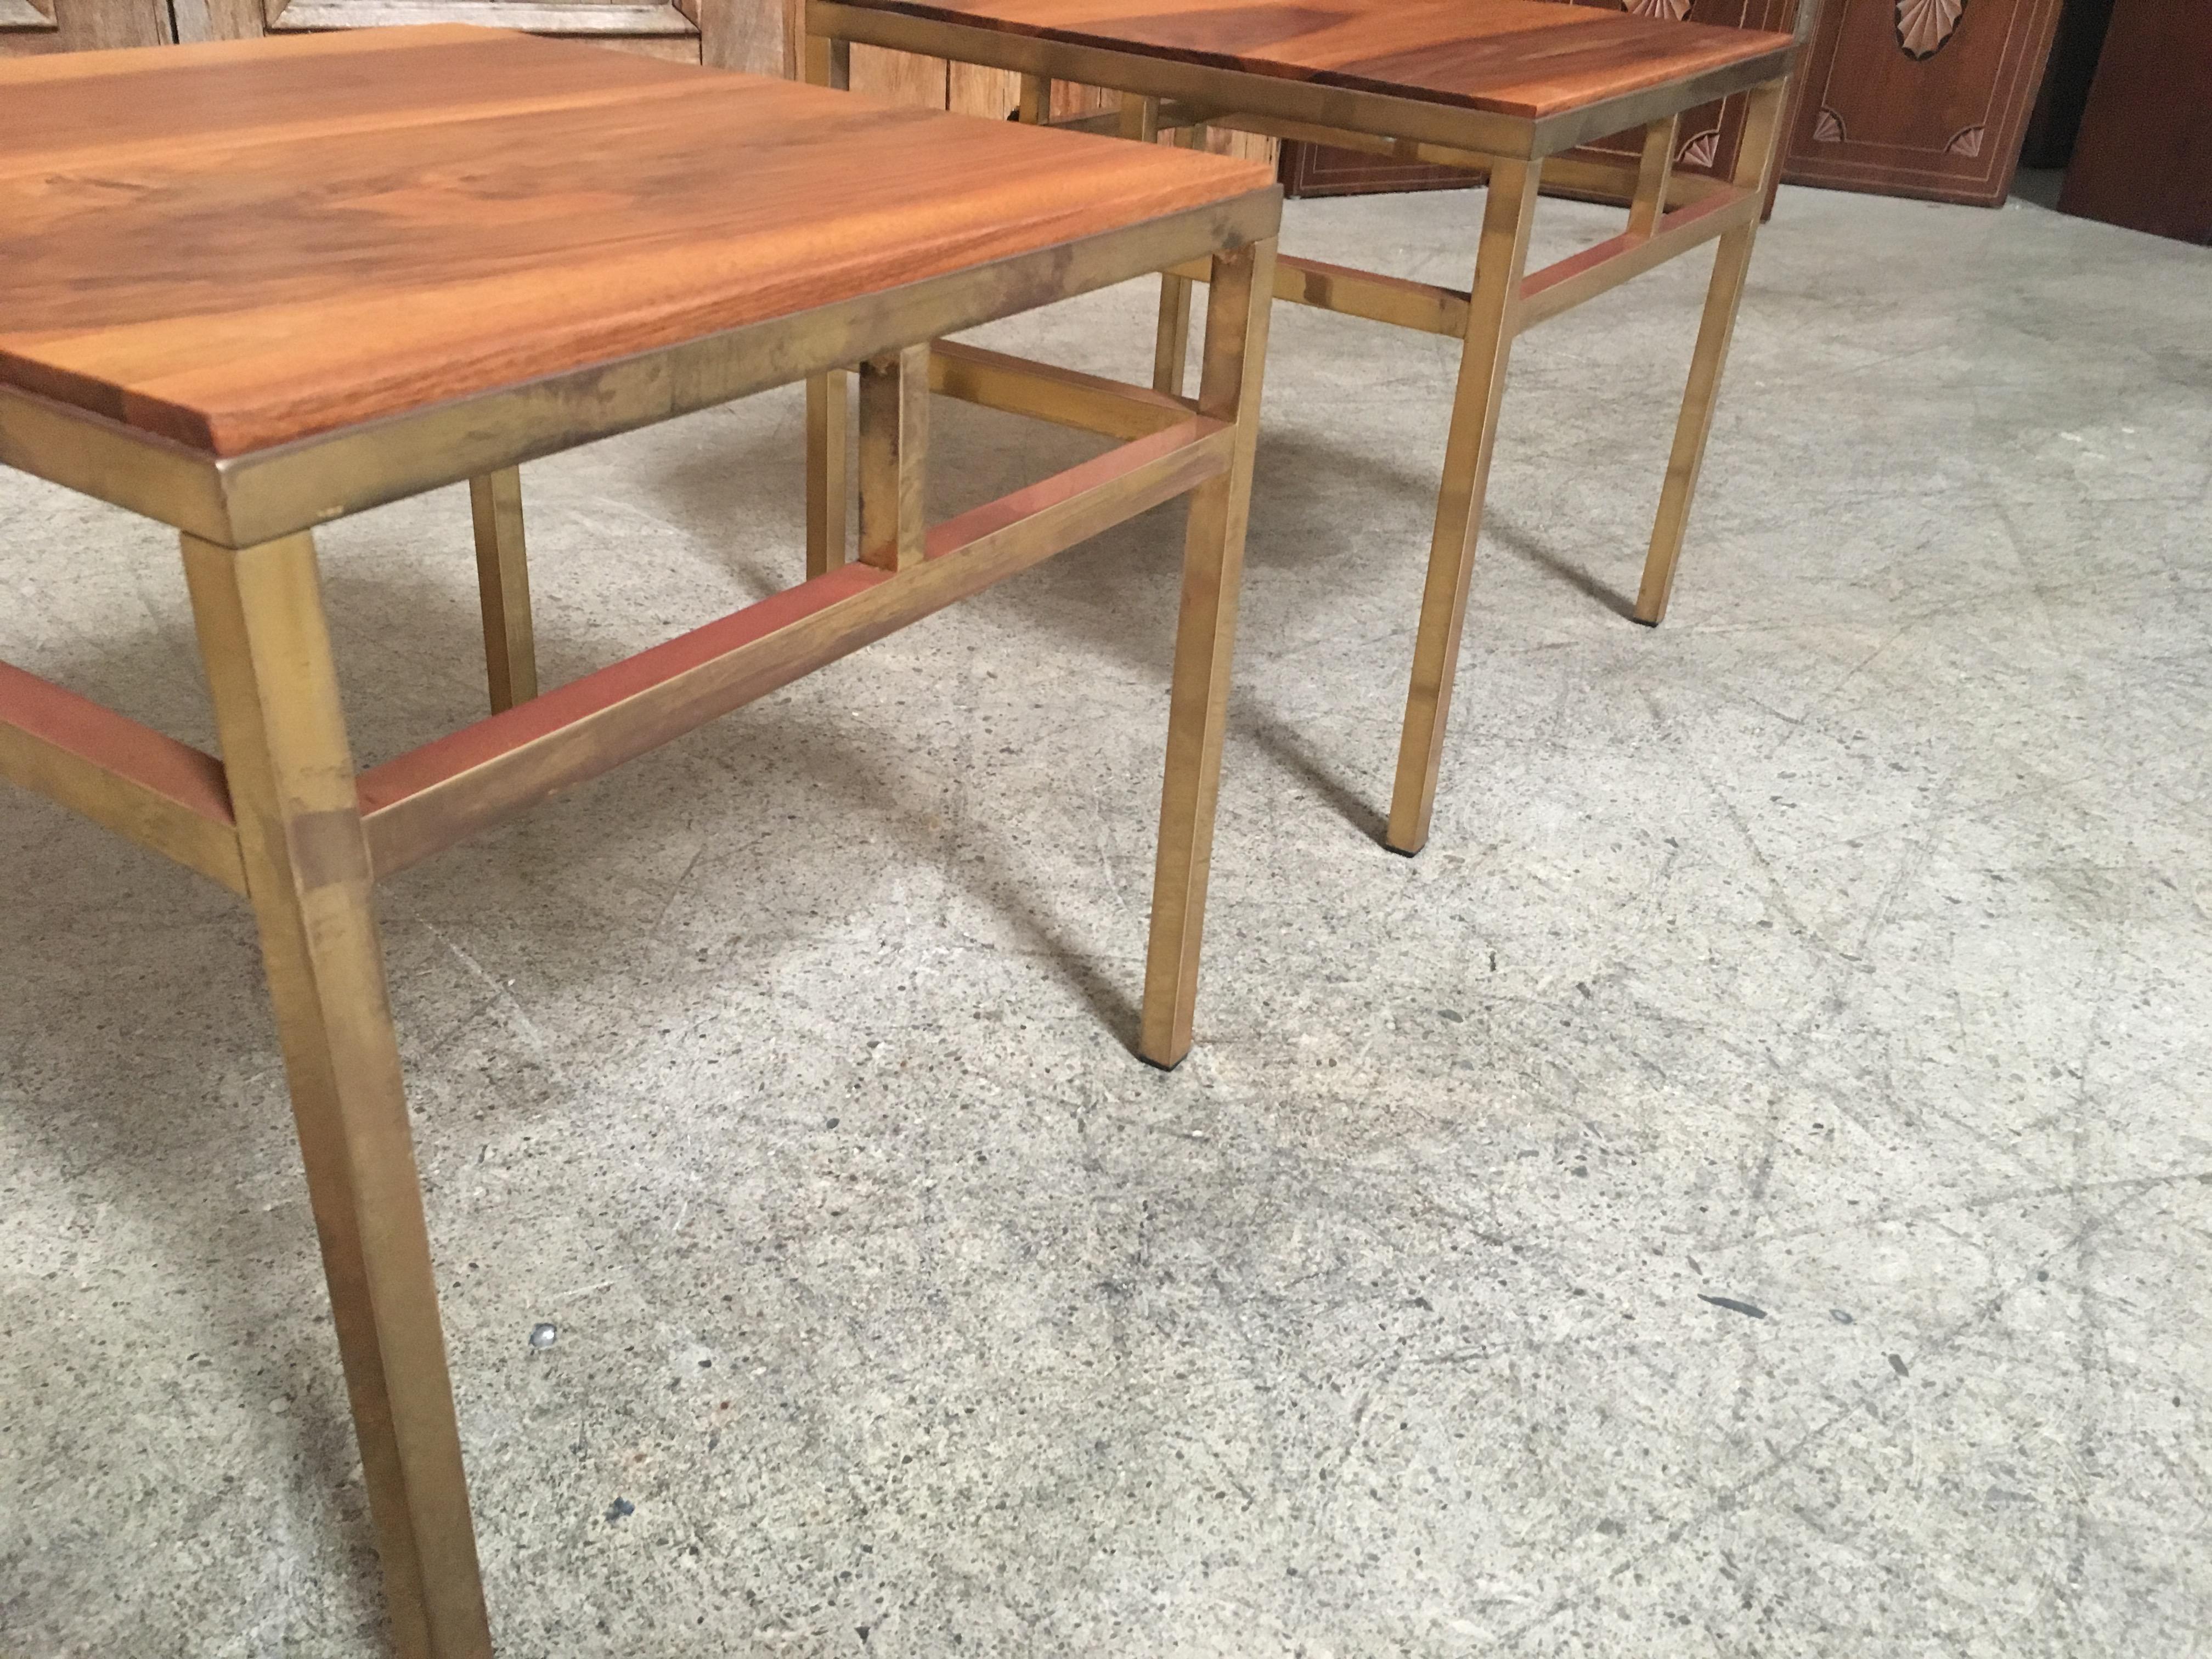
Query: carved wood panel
point(1924, 98)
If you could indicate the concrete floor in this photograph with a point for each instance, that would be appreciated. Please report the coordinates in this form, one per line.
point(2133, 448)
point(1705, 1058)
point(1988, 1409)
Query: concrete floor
point(1745, 1189)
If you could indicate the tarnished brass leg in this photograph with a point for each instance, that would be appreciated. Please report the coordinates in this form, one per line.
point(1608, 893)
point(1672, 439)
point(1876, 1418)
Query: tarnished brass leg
point(1171, 340)
point(1762, 135)
point(1198, 711)
point(1653, 172)
point(261, 636)
point(1139, 118)
point(1491, 320)
point(828, 63)
point(827, 489)
point(503, 584)
point(893, 447)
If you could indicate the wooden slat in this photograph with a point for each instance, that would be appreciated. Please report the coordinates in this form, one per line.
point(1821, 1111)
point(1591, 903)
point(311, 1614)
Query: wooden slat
point(900, 77)
point(1046, 392)
point(1566, 285)
point(894, 416)
point(742, 34)
point(217, 20)
point(163, 794)
point(479, 777)
point(979, 89)
point(663, 48)
point(102, 25)
point(607, 19)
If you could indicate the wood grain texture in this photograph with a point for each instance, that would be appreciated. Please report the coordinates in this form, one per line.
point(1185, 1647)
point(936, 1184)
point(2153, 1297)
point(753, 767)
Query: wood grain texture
point(1508, 56)
point(900, 77)
point(241, 244)
point(98, 24)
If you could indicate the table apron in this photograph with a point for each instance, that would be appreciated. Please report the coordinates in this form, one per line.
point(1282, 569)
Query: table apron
point(1242, 92)
point(242, 500)
point(1151, 76)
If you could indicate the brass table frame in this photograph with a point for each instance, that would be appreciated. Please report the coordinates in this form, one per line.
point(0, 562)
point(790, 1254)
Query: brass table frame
point(284, 820)
point(1669, 214)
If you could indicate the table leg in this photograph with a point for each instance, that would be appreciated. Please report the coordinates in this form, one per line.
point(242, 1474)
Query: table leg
point(259, 615)
point(1171, 341)
point(503, 585)
point(1762, 137)
point(829, 64)
point(1034, 108)
point(1492, 307)
point(893, 450)
point(827, 489)
point(1236, 314)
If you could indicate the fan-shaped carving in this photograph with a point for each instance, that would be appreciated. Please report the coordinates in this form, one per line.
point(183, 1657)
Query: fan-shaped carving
point(1700, 150)
point(1922, 26)
point(1827, 127)
point(1672, 9)
point(1967, 141)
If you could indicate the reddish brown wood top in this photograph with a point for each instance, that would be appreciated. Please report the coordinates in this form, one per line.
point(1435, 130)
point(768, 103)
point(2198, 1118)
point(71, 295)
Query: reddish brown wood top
point(242, 244)
point(1513, 58)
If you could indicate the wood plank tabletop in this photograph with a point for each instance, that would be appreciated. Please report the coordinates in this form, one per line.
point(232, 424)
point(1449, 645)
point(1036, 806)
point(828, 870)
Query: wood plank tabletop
point(1516, 57)
point(241, 244)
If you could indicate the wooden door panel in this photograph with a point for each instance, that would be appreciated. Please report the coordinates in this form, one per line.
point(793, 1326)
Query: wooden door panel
point(2144, 154)
point(974, 90)
point(1923, 98)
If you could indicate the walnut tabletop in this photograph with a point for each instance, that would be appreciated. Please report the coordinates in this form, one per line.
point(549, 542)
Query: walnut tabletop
point(1515, 58)
point(237, 245)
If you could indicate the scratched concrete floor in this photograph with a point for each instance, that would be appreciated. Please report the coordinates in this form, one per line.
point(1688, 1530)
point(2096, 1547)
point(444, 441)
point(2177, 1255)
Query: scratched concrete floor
point(1841, 952)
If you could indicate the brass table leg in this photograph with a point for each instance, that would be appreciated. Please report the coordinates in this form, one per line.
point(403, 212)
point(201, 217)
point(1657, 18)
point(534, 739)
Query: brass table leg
point(1034, 108)
point(828, 63)
point(1171, 340)
point(1507, 215)
point(1762, 137)
point(503, 585)
point(894, 451)
point(827, 489)
point(1236, 314)
point(259, 614)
